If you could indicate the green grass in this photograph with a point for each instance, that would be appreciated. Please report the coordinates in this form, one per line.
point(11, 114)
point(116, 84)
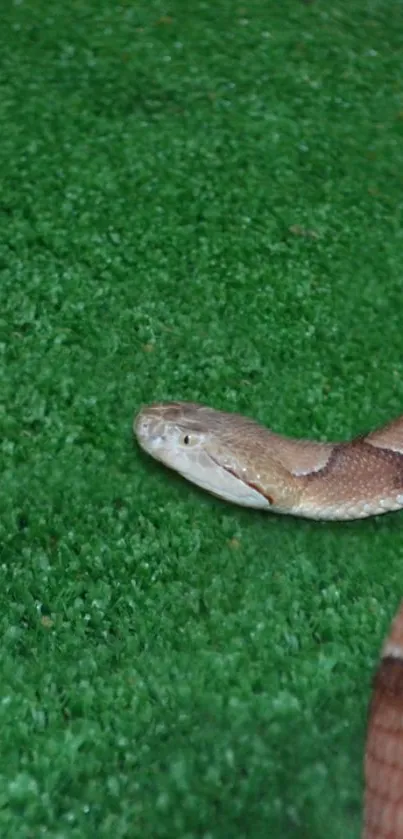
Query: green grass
point(173, 666)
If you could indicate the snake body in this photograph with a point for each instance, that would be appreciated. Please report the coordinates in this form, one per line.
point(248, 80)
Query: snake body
point(241, 461)
point(383, 763)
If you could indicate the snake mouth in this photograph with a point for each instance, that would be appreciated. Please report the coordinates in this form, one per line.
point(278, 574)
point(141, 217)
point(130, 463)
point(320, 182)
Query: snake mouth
point(250, 484)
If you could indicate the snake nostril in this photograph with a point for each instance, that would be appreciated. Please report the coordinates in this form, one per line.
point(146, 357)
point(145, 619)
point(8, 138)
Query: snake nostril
point(140, 425)
point(144, 428)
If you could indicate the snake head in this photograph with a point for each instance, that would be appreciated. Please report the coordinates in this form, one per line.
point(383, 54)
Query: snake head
point(210, 448)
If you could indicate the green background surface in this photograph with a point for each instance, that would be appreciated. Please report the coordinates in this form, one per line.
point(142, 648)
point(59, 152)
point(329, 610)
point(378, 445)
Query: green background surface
point(199, 201)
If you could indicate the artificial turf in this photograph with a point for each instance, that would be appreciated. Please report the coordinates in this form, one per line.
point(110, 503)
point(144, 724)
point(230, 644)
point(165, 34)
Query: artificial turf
point(199, 201)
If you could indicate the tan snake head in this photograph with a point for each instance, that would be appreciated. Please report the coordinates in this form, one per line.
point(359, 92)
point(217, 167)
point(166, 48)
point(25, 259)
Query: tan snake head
point(205, 446)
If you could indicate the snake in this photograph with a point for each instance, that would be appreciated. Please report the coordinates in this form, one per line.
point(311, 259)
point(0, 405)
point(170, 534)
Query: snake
point(241, 461)
point(383, 761)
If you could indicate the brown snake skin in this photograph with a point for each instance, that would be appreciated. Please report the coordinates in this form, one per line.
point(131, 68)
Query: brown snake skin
point(383, 765)
point(242, 461)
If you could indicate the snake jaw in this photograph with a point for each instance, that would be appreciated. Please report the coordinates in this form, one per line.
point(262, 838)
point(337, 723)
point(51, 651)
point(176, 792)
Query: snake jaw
point(253, 486)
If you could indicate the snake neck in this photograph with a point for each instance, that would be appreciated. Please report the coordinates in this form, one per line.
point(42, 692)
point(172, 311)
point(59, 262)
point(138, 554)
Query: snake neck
point(358, 480)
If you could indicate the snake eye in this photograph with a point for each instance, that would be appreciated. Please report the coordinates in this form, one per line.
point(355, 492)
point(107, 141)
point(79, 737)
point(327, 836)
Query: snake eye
point(189, 440)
